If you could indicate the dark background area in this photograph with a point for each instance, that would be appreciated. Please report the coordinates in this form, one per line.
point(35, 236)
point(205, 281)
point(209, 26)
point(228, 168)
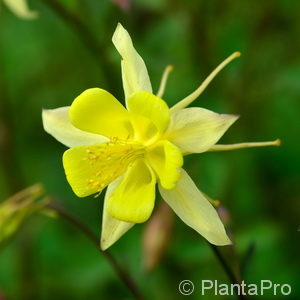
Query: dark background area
point(47, 62)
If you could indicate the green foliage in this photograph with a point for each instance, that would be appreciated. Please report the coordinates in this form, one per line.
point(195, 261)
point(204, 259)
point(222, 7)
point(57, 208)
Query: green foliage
point(44, 63)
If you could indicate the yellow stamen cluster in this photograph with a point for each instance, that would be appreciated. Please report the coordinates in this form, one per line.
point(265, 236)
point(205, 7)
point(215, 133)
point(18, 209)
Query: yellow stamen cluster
point(110, 161)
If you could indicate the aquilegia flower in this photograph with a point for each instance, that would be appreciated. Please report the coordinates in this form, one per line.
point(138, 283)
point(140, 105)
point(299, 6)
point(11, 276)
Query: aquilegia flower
point(132, 149)
point(20, 8)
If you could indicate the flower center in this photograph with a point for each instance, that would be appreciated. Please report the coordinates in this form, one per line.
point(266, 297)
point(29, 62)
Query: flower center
point(109, 161)
point(144, 131)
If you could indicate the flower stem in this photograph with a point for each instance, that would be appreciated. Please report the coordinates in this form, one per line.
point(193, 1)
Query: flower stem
point(120, 271)
point(232, 277)
point(14, 182)
point(12, 172)
point(87, 37)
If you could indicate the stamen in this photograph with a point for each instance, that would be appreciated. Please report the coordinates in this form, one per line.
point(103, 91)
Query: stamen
point(164, 80)
point(109, 161)
point(193, 96)
point(243, 145)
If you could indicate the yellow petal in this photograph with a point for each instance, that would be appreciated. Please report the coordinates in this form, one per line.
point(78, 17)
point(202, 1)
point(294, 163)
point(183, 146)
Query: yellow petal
point(134, 72)
point(56, 122)
point(197, 129)
point(20, 9)
point(166, 160)
point(195, 210)
point(89, 169)
point(97, 111)
point(112, 229)
point(133, 199)
point(151, 107)
point(145, 132)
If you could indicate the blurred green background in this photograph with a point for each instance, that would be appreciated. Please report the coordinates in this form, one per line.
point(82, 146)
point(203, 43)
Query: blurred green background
point(47, 62)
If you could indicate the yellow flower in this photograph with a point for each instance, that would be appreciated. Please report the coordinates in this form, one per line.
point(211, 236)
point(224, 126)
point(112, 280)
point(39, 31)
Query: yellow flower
point(21, 9)
point(131, 149)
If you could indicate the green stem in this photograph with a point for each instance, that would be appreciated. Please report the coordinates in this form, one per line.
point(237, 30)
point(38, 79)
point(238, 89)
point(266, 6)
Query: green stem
point(120, 271)
point(8, 158)
point(14, 182)
point(87, 37)
point(232, 277)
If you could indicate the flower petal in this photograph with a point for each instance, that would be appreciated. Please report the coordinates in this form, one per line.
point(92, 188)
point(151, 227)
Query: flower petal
point(145, 132)
point(166, 160)
point(197, 129)
point(151, 107)
point(133, 199)
point(21, 9)
point(195, 210)
point(56, 122)
point(112, 229)
point(134, 72)
point(89, 169)
point(97, 111)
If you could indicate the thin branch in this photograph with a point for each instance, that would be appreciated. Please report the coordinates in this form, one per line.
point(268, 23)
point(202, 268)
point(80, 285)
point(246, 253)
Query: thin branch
point(232, 277)
point(8, 158)
point(77, 25)
point(121, 272)
point(14, 181)
point(85, 35)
